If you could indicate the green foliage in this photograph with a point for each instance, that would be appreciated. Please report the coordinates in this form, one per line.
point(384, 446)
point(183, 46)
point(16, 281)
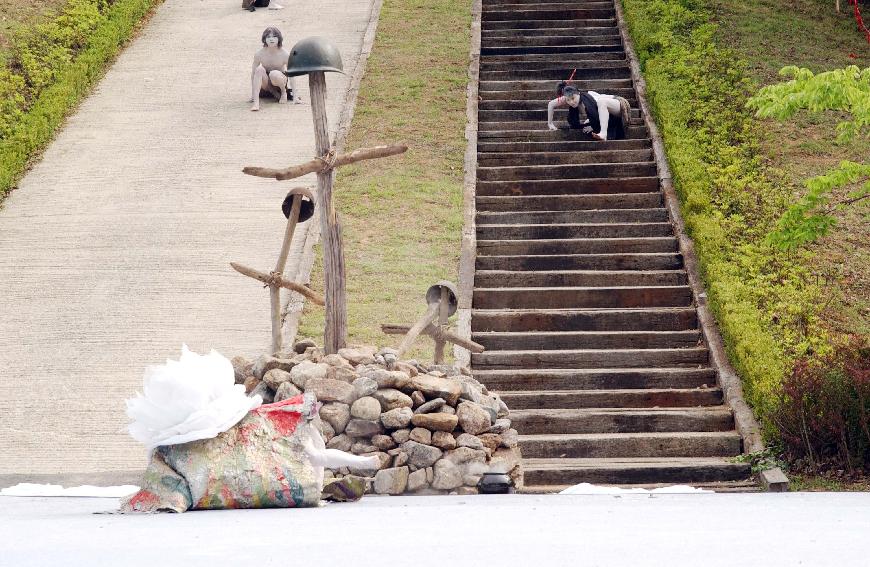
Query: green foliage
point(812, 216)
point(846, 90)
point(767, 458)
point(766, 305)
point(53, 65)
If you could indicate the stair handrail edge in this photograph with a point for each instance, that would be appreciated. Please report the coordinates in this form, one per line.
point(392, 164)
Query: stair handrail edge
point(468, 246)
point(772, 479)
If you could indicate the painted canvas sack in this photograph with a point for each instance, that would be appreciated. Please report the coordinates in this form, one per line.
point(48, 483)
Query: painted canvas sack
point(261, 462)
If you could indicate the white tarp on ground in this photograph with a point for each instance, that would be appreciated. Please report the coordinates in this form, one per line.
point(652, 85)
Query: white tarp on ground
point(586, 488)
point(677, 530)
point(29, 489)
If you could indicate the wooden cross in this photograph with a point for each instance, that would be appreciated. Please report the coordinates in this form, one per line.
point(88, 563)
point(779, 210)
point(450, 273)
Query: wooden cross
point(335, 291)
point(276, 280)
point(441, 301)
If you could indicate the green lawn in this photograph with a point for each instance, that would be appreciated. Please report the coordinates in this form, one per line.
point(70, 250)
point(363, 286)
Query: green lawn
point(769, 35)
point(402, 216)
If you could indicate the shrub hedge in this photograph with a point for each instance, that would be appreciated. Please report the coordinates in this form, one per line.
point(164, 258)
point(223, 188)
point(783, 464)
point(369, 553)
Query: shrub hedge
point(53, 66)
point(765, 301)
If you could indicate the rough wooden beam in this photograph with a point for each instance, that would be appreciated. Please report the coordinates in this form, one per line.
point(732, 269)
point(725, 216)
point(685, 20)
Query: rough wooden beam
point(278, 280)
point(320, 165)
point(436, 333)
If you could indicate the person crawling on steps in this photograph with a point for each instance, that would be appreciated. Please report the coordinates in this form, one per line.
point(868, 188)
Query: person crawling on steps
point(599, 109)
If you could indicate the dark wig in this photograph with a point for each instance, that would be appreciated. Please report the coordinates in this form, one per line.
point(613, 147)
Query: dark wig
point(272, 31)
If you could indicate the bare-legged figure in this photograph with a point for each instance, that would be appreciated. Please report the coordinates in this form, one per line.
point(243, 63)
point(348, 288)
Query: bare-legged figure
point(267, 72)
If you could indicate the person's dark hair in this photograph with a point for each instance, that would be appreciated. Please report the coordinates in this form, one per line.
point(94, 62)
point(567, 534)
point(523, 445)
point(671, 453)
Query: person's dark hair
point(272, 31)
point(560, 87)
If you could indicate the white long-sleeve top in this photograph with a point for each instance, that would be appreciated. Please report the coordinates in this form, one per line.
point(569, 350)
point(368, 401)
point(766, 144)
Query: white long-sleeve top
point(608, 105)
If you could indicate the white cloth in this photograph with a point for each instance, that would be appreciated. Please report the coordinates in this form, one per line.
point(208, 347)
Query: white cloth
point(195, 397)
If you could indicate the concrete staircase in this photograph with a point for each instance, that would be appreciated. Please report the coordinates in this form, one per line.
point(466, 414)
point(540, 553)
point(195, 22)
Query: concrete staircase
point(580, 294)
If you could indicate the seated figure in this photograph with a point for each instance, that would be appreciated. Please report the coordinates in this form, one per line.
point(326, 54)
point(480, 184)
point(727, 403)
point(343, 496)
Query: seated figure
point(267, 72)
point(599, 108)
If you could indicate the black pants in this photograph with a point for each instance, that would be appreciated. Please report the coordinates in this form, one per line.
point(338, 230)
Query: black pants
point(574, 118)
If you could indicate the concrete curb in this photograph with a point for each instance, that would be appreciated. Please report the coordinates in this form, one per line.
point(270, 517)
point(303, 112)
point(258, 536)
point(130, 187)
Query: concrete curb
point(468, 249)
point(730, 382)
point(302, 270)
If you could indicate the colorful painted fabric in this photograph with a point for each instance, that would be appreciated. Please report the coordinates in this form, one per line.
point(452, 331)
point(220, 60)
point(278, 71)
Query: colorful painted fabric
point(258, 463)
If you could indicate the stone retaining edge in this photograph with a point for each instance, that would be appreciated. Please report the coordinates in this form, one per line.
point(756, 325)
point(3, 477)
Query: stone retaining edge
point(468, 249)
point(302, 270)
point(729, 381)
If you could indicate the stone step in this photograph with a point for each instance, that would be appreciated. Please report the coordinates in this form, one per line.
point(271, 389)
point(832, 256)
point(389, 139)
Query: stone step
point(543, 340)
point(582, 278)
point(570, 219)
point(573, 171)
point(555, 50)
point(615, 445)
point(596, 379)
point(581, 297)
point(518, 40)
point(559, 14)
point(736, 486)
point(630, 261)
point(495, 147)
point(522, 320)
point(540, 98)
point(536, 115)
point(636, 470)
point(574, 246)
point(649, 398)
point(568, 203)
point(562, 157)
point(534, 104)
point(526, 89)
point(574, 23)
point(621, 420)
point(576, 230)
point(527, 130)
point(604, 70)
point(488, 36)
point(490, 6)
point(591, 358)
point(597, 185)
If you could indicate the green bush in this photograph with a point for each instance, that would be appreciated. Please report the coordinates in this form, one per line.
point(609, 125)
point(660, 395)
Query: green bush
point(766, 304)
point(53, 66)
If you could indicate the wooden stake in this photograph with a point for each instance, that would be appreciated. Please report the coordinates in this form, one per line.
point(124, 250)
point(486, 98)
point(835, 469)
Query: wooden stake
point(280, 280)
point(424, 321)
point(318, 165)
point(274, 290)
point(435, 333)
point(443, 315)
point(335, 333)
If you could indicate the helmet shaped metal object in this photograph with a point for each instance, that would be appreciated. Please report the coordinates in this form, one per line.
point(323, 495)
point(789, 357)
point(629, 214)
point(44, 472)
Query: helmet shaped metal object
point(313, 54)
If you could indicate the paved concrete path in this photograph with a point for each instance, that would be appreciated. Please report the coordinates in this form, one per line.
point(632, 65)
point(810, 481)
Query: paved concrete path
point(712, 530)
point(116, 247)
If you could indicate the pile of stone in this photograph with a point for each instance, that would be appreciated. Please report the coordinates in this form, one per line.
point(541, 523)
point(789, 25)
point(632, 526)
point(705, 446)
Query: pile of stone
point(434, 428)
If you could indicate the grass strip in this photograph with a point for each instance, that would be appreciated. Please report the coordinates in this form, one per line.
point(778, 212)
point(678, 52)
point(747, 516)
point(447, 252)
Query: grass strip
point(38, 125)
point(402, 216)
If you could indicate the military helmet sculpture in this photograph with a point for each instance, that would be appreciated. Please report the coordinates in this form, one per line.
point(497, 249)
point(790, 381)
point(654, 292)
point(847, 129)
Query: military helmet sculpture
point(313, 54)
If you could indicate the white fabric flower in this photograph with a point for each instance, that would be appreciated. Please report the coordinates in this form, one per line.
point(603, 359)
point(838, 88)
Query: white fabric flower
point(193, 398)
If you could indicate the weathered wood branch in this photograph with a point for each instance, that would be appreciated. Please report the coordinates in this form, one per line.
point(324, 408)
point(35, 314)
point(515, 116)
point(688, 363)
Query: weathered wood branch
point(435, 333)
point(279, 280)
point(321, 164)
point(423, 322)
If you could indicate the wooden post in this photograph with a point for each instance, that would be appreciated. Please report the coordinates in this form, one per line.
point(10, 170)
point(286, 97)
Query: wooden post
point(443, 315)
point(424, 321)
point(274, 290)
point(335, 293)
